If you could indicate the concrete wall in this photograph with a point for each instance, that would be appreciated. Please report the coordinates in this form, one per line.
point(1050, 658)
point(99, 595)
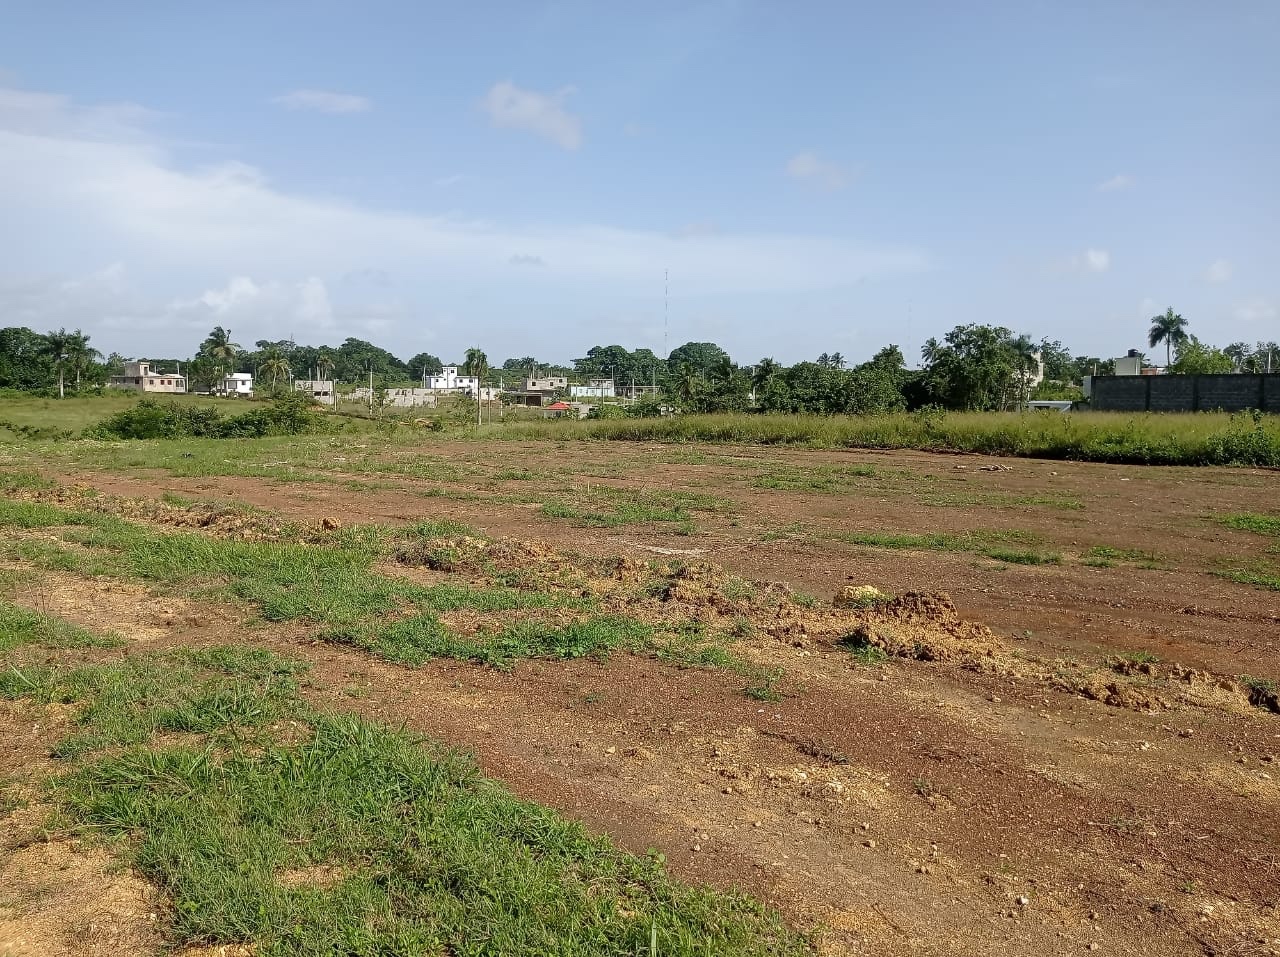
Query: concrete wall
point(1186, 393)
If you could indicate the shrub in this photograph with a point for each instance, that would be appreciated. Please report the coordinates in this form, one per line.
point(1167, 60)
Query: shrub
point(290, 414)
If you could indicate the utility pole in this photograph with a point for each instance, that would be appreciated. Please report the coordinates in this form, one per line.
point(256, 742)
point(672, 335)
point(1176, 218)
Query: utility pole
point(371, 387)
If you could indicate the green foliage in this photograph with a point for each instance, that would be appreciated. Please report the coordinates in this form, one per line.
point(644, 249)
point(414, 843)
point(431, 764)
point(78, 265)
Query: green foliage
point(300, 833)
point(1171, 329)
point(1253, 522)
point(1196, 358)
point(975, 367)
point(288, 414)
point(1149, 439)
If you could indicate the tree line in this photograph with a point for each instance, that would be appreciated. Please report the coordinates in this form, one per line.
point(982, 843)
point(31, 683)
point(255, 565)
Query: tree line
point(973, 367)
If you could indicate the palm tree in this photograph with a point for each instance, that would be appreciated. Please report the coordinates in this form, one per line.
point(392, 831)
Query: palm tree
point(57, 346)
point(477, 364)
point(274, 366)
point(763, 374)
point(1171, 329)
point(1239, 353)
point(688, 384)
point(81, 354)
point(836, 360)
point(1026, 362)
point(219, 347)
point(324, 364)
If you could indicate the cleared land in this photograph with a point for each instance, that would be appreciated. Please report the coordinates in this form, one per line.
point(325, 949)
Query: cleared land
point(1079, 748)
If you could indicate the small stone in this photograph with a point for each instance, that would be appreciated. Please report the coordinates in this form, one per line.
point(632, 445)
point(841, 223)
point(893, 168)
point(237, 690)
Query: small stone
point(1094, 915)
point(1094, 945)
point(610, 750)
point(697, 847)
point(868, 843)
point(1024, 901)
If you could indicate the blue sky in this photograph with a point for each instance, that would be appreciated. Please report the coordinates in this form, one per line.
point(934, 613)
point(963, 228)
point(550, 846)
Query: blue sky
point(816, 176)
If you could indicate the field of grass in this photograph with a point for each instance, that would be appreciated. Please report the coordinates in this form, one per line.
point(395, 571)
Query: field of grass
point(1173, 439)
point(1155, 439)
point(299, 832)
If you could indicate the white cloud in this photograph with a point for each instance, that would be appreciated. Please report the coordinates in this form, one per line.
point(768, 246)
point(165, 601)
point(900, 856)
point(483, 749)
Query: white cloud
point(525, 260)
point(324, 101)
point(1219, 271)
point(225, 241)
point(814, 169)
point(511, 107)
point(1257, 310)
point(1118, 182)
point(1096, 260)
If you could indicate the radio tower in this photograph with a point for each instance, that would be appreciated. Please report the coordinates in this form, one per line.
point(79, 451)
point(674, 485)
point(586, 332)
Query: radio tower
point(666, 322)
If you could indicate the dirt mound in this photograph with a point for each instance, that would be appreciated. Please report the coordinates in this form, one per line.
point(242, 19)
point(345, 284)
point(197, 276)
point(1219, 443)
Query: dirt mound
point(926, 627)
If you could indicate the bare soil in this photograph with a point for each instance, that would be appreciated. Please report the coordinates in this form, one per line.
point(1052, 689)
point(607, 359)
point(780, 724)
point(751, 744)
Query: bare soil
point(994, 795)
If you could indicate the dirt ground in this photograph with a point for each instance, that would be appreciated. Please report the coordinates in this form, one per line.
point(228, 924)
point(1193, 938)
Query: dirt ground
point(912, 807)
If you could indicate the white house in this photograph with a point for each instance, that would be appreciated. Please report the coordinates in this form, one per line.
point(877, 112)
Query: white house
point(546, 383)
point(237, 383)
point(449, 381)
point(594, 389)
point(140, 377)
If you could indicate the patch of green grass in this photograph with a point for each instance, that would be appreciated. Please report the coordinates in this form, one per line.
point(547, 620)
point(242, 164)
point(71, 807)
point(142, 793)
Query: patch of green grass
point(1145, 439)
point(1253, 522)
point(1259, 578)
point(817, 478)
point(1140, 658)
point(862, 652)
point(1018, 557)
point(1106, 556)
point(325, 834)
point(416, 853)
point(18, 626)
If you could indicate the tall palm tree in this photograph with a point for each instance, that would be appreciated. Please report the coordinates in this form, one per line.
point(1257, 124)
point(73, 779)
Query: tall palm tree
point(324, 364)
point(1171, 329)
point(837, 360)
point(219, 347)
point(1026, 363)
point(764, 372)
point(57, 346)
point(477, 364)
point(80, 354)
point(274, 366)
point(688, 384)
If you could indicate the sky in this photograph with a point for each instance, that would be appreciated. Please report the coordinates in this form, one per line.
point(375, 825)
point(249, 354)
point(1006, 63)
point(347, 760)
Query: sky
point(784, 179)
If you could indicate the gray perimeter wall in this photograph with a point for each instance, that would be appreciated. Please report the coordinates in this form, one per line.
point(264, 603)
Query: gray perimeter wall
point(1186, 393)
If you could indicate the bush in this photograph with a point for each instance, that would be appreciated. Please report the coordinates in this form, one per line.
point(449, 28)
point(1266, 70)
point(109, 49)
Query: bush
point(290, 414)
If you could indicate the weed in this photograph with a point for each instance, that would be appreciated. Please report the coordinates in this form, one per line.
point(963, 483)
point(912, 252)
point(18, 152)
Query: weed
point(18, 626)
point(1140, 658)
point(862, 652)
point(1259, 578)
point(765, 690)
point(1251, 522)
point(923, 787)
point(1016, 557)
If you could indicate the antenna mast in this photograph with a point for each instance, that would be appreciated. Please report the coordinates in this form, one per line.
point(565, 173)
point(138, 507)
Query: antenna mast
point(666, 322)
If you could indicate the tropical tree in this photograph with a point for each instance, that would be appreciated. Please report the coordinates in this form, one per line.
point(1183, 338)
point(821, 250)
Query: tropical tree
point(80, 354)
point(687, 386)
point(763, 373)
point(219, 347)
point(1026, 361)
point(57, 346)
point(324, 363)
point(1171, 329)
point(1239, 353)
point(274, 366)
point(477, 364)
point(1195, 357)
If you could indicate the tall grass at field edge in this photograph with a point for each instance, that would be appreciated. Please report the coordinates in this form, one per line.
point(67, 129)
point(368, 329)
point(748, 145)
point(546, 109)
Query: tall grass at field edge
point(1148, 439)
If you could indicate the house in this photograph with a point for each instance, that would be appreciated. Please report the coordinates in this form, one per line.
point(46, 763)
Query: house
point(236, 383)
point(140, 377)
point(557, 410)
point(449, 381)
point(594, 389)
point(320, 389)
point(546, 383)
point(538, 391)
